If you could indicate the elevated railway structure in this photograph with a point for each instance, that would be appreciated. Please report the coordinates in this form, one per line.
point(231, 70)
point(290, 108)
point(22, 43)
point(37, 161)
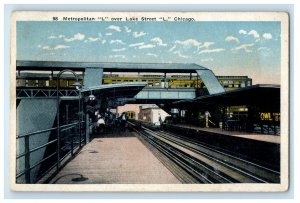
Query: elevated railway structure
point(54, 118)
point(48, 110)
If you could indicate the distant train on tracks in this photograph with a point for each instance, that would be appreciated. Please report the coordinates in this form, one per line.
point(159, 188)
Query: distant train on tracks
point(153, 81)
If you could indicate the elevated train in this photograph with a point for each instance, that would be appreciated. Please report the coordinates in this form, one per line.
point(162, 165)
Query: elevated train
point(154, 81)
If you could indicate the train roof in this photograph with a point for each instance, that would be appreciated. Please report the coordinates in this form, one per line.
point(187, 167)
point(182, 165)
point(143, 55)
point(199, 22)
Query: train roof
point(110, 66)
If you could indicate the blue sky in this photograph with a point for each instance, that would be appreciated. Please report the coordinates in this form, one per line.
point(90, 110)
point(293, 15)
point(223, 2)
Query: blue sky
point(227, 48)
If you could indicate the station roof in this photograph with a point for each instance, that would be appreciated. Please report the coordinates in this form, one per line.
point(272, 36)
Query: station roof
point(127, 90)
point(110, 66)
point(256, 95)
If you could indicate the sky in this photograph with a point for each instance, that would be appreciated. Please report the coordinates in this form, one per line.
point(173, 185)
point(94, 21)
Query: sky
point(227, 48)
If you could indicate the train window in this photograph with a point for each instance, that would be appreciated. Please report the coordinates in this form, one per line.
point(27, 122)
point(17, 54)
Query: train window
point(47, 83)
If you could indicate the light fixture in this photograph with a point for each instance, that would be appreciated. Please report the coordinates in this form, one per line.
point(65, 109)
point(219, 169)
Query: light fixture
point(92, 97)
point(77, 85)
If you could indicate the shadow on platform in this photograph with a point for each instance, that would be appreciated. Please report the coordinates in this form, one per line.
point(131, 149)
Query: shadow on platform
point(111, 133)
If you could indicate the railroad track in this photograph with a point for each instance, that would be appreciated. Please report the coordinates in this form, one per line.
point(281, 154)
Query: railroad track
point(205, 164)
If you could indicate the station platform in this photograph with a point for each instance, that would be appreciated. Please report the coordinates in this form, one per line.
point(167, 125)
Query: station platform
point(118, 158)
point(252, 136)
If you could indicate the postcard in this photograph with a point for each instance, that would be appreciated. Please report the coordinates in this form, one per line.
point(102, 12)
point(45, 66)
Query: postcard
point(149, 101)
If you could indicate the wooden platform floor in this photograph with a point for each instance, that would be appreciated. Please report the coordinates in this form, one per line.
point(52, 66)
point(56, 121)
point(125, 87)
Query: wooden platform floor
point(253, 136)
point(115, 159)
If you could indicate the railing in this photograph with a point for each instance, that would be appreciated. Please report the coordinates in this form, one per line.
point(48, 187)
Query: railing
point(33, 92)
point(30, 156)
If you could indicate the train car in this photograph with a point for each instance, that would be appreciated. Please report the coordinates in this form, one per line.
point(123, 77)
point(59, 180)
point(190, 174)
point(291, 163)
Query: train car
point(44, 81)
point(130, 114)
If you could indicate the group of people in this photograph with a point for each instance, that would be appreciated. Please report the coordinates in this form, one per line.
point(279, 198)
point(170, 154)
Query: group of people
point(111, 121)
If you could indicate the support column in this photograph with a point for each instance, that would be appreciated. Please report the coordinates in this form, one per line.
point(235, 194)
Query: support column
point(87, 128)
point(93, 77)
point(211, 82)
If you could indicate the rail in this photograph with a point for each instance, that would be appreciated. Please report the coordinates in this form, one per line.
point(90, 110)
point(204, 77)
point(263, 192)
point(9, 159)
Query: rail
point(72, 138)
point(206, 163)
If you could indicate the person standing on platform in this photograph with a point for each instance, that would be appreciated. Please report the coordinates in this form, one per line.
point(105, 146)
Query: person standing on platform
point(123, 120)
point(207, 116)
point(160, 122)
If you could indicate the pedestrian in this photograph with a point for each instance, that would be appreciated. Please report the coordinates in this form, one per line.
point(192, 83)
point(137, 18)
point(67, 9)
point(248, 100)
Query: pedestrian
point(101, 124)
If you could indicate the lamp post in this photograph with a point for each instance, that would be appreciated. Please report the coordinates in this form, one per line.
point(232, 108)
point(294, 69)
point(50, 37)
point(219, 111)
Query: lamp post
point(88, 100)
point(77, 85)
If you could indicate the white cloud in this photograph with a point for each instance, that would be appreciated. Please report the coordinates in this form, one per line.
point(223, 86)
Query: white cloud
point(46, 48)
point(211, 50)
point(232, 39)
point(108, 34)
point(206, 45)
point(103, 41)
point(243, 46)
point(61, 46)
point(147, 46)
point(114, 27)
point(172, 48)
point(263, 49)
point(254, 33)
point(61, 36)
point(136, 44)
point(52, 37)
point(207, 59)
point(180, 55)
point(244, 32)
point(151, 54)
point(189, 42)
point(138, 34)
point(117, 56)
point(91, 39)
point(118, 50)
point(117, 41)
point(267, 36)
point(158, 41)
point(127, 29)
point(77, 36)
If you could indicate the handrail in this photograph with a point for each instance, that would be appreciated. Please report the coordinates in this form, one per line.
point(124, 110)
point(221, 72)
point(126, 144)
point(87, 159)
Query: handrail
point(37, 148)
point(25, 170)
point(27, 151)
point(47, 130)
